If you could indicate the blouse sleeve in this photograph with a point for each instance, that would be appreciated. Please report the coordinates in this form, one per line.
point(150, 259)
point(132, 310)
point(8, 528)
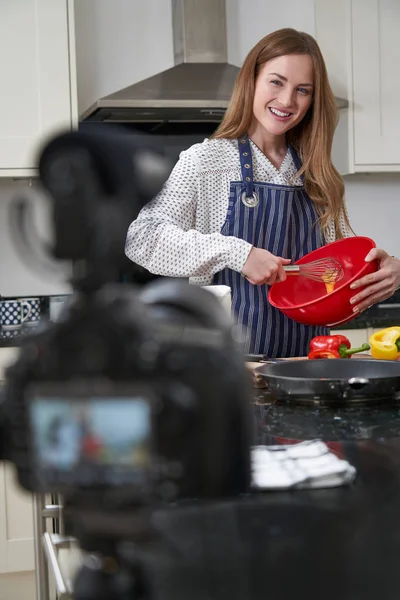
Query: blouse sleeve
point(163, 239)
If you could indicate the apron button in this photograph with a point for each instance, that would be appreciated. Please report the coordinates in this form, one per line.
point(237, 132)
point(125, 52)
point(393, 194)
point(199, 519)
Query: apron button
point(247, 166)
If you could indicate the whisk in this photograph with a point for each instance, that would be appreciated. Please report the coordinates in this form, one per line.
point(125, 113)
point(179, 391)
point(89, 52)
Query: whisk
point(327, 270)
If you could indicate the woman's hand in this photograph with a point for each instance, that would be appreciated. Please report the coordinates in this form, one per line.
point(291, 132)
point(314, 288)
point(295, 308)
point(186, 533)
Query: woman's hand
point(262, 267)
point(379, 285)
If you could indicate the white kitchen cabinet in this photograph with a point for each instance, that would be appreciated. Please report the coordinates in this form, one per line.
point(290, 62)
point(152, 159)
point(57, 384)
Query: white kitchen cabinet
point(18, 586)
point(376, 83)
point(16, 524)
point(361, 46)
point(360, 43)
point(17, 559)
point(16, 509)
point(38, 84)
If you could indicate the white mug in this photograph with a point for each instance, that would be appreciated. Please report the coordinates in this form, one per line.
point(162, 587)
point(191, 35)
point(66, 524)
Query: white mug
point(56, 304)
point(30, 311)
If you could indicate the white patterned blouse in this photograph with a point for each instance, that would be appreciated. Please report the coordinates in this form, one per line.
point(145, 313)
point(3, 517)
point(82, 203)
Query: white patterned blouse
point(178, 233)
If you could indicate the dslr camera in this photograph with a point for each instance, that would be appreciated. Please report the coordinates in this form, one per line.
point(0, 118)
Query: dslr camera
point(137, 397)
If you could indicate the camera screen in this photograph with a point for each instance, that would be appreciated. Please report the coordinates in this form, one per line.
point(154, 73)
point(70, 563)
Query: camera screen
point(91, 440)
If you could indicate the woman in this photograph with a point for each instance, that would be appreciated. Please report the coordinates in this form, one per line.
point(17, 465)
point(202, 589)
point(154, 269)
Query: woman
point(258, 195)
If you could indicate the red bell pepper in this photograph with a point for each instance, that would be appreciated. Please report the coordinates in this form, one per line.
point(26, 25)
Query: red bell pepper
point(333, 346)
point(323, 354)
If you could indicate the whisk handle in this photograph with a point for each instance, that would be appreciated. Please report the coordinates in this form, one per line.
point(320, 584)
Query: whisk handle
point(292, 269)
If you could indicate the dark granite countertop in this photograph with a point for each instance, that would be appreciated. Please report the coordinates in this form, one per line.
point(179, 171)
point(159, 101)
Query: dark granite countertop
point(331, 424)
point(335, 543)
point(339, 543)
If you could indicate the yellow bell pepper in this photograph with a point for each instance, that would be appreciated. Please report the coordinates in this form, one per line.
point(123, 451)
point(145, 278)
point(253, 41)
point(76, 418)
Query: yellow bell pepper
point(386, 343)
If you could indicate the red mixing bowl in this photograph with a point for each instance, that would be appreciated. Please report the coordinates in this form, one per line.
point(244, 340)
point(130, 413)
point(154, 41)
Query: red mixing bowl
point(308, 302)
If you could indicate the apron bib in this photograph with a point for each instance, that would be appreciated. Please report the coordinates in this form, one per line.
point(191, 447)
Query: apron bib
point(281, 219)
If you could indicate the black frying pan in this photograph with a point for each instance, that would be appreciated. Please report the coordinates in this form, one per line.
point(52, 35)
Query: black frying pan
point(332, 380)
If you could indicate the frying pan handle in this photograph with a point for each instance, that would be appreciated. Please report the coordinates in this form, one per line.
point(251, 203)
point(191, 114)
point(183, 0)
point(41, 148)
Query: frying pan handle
point(262, 358)
point(357, 383)
point(259, 358)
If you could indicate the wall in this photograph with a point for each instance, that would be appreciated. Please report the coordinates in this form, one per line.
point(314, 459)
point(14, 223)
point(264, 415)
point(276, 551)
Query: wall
point(370, 198)
point(19, 273)
point(111, 57)
point(257, 18)
point(373, 203)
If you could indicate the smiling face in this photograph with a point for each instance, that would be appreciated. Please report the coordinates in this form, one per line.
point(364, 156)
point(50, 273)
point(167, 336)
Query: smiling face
point(283, 94)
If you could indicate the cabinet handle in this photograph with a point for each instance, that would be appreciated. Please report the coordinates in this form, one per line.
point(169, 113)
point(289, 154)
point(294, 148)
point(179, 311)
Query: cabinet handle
point(52, 511)
point(62, 588)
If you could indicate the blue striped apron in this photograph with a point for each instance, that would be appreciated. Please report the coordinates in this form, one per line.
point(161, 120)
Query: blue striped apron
point(281, 219)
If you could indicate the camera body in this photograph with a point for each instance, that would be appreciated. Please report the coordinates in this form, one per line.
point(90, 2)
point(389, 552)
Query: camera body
point(134, 399)
point(137, 398)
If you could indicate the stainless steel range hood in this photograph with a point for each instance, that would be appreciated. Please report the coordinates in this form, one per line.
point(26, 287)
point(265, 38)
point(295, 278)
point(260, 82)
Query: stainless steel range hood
point(200, 84)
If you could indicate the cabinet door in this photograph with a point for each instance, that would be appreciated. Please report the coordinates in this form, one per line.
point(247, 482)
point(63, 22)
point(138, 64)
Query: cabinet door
point(376, 83)
point(37, 89)
point(16, 524)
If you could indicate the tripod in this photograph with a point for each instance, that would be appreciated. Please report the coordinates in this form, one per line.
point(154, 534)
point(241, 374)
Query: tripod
point(47, 545)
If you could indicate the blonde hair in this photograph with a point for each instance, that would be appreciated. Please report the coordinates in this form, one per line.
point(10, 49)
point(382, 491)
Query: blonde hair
point(312, 137)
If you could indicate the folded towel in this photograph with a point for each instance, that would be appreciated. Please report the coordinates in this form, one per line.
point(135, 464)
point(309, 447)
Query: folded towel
point(305, 465)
